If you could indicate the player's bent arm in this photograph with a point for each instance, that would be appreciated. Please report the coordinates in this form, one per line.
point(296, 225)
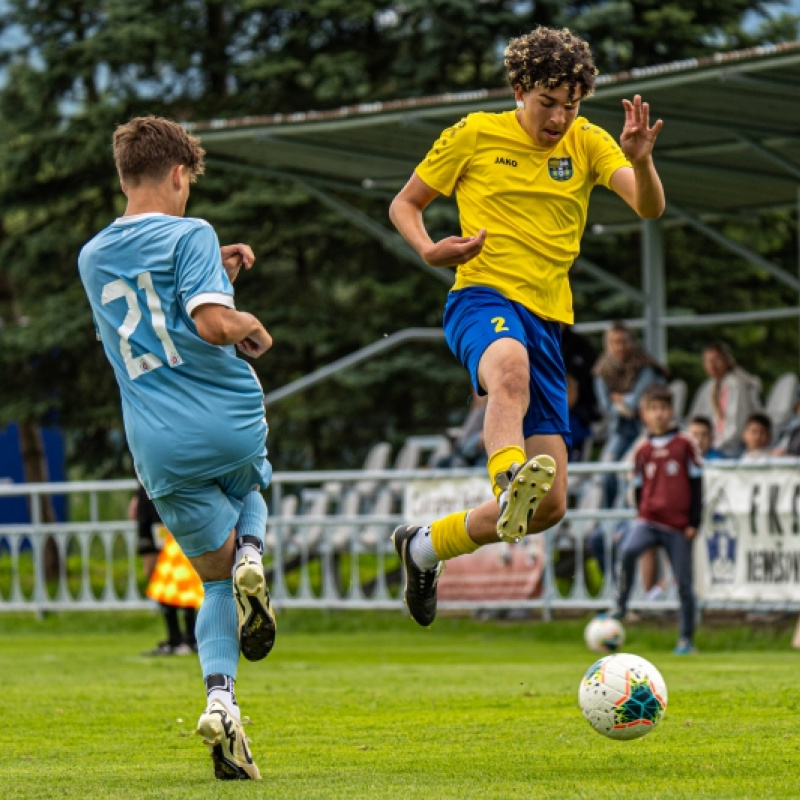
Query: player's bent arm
point(405, 213)
point(406, 209)
point(640, 187)
point(236, 256)
point(221, 325)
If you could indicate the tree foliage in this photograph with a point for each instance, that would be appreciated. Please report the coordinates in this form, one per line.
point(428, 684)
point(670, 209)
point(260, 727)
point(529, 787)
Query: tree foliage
point(75, 70)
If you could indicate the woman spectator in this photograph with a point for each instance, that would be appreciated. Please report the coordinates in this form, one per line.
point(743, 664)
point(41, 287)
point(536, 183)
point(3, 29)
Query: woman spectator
point(728, 397)
point(622, 373)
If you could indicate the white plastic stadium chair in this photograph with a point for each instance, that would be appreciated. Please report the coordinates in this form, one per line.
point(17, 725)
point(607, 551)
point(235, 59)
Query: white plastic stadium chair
point(377, 458)
point(288, 511)
point(781, 401)
point(679, 391)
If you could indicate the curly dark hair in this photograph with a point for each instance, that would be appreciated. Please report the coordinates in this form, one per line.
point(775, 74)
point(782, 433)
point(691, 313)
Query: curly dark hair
point(148, 147)
point(546, 58)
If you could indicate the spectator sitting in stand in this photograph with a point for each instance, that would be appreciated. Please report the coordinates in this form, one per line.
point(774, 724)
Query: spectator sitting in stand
point(757, 438)
point(622, 374)
point(789, 443)
point(728, 398)
point(702, 431)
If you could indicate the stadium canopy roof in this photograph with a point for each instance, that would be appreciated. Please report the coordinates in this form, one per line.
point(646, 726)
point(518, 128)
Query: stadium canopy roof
point(730, 143)
point(730, 146)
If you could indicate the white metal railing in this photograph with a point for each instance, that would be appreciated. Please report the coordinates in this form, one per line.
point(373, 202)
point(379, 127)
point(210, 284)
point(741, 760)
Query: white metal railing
point(327, 543)
point(80, 549)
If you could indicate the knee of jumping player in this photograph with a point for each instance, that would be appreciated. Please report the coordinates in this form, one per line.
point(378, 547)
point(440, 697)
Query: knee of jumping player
point(510, 385)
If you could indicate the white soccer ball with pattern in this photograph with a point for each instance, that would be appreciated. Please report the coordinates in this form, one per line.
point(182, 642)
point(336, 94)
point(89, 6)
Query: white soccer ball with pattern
point(623, 696)
point(604, 635)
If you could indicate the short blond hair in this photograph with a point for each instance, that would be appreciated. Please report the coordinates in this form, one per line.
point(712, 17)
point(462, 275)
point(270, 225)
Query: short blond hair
point(546, 58)
point(146, 148)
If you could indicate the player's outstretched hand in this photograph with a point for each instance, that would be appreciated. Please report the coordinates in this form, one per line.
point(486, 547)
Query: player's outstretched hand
point(236, 256)
point(638, 138)
point(455, 250)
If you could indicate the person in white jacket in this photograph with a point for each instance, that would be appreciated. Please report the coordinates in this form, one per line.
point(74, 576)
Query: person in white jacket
point(728, 397)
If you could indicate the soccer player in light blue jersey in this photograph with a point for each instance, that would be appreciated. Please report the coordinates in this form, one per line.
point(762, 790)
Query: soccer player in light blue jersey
point(160, 288)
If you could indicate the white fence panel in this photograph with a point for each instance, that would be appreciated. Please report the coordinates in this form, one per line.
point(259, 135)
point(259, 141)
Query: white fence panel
point(327, 542)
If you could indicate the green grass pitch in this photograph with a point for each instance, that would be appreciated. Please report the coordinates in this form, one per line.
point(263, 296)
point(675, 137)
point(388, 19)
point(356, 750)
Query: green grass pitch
point(358, 705)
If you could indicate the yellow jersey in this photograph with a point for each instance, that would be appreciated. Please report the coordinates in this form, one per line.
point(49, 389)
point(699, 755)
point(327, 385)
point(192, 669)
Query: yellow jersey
point(532, 201)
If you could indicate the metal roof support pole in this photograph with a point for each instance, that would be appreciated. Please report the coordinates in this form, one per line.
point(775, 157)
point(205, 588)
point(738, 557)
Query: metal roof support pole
point(739, 249)
point(363, 354)
point(608, 279)
point(390, 240)
point(798, 233)
point(653, 283)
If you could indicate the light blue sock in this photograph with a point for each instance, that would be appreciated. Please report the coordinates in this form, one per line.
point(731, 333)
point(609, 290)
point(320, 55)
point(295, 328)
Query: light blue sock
point(252, 520)
point(217, 630)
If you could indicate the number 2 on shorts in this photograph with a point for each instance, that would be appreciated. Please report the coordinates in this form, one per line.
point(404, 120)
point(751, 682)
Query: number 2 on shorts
point(499, 324)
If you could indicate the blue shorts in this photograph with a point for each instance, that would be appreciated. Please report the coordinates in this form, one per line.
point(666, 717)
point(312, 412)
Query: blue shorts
point(477, 316)
point(201, 514)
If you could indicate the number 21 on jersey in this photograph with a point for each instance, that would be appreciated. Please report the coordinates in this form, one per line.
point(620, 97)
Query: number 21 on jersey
point(141, 364)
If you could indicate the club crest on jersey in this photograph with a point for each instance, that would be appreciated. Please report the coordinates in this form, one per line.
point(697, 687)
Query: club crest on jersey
point(560, 169)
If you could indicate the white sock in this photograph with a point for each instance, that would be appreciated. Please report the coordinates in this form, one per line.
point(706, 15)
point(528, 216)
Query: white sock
point(421, 549)
point(246, 546)
point(225, 694)
point(250, 549)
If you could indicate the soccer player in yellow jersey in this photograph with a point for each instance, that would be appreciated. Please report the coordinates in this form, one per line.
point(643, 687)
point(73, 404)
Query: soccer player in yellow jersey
point(522, 180)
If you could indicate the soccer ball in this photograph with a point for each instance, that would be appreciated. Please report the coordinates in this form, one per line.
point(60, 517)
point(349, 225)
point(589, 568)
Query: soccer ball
point(604, 635)
point(623, 696)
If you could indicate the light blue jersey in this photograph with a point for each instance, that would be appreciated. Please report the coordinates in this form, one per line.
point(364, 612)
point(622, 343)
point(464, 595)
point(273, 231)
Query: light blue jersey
point(191, 409)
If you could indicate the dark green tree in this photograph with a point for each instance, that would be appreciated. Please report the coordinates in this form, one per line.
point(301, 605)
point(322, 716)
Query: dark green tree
point(75, 70)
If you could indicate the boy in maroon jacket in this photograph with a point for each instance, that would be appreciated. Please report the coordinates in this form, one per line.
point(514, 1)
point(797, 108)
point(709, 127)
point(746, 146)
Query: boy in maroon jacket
point(668, 486)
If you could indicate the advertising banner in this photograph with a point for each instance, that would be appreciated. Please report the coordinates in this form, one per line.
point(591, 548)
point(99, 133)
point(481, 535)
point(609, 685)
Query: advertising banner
point(499, 572)
point(748, 548)
point(427, 500)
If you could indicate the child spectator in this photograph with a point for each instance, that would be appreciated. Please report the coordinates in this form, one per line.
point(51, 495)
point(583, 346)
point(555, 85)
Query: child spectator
point(702, 431)
point(757, 438)
point(668, 492)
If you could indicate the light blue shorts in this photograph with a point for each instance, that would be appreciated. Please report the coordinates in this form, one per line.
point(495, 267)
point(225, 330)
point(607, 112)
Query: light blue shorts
point(202, 514)
point(476, 316)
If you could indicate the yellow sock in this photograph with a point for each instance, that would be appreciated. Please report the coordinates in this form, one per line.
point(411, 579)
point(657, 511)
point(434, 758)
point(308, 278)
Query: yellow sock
point(449, 536)
point(501, 460)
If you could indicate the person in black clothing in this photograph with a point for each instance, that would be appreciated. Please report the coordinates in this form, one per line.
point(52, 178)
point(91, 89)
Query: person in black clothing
point(579, 358)
point(177, 642)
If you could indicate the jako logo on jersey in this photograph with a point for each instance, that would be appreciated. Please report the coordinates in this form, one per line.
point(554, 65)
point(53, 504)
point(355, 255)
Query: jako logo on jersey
point(509, 162)
point(560, 169)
